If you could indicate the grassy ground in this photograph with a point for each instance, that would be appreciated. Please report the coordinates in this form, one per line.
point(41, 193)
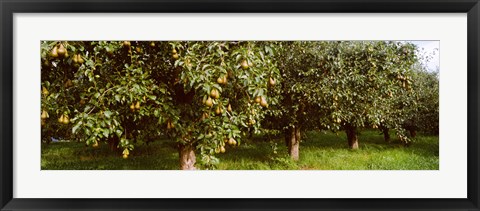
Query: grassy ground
point(318, 151)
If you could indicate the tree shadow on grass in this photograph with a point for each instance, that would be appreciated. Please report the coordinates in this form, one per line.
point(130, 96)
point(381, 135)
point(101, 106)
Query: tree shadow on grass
point(422, 145)
point(76, 156)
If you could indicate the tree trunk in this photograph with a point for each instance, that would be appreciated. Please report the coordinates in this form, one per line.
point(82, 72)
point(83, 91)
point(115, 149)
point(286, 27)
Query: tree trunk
point(294, 142)
point(413, 133)
point(386, 134)
point(352, 137)
point(187, 157)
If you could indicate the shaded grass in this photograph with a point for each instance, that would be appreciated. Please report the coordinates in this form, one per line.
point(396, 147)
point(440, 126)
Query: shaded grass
point(318, 151)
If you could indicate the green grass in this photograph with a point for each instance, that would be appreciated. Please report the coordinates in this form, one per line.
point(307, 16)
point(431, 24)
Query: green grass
point(318, 151)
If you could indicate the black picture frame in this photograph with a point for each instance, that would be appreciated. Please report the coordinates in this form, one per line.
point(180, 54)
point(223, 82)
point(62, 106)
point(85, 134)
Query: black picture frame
point(9, 7)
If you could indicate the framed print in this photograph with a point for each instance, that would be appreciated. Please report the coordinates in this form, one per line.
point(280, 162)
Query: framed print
point(266, 105)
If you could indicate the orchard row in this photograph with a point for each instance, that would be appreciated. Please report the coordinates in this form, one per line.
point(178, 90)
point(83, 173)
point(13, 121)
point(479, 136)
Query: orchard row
point(206, 95)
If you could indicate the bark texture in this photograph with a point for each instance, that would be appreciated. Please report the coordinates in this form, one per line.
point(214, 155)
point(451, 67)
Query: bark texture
point(187, 157)
point(293, 142)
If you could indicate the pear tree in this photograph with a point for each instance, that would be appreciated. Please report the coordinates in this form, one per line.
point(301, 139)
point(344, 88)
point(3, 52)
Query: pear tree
point(366, 82)
point(201, 95)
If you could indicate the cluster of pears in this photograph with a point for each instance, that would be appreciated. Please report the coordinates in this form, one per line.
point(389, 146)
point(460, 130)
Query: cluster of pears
point(77, 58)
point(231, 141)
point(222, 80)
point(59, 51)
point(338, 120)
point(64, 119)
point(174, 54)
point(220, 149)
point(170, 125)
point(262, 101)
point(134, 106)
point(215, 94)
point(218, 110)
point(404, 80)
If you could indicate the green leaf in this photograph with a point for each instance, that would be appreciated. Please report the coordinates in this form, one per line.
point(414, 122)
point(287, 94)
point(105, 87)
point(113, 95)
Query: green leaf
point(108, 114)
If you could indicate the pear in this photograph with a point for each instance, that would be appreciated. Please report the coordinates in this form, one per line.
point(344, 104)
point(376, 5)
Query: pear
point(75, 58)
point(54, 52)
point(127, 44)
point(137, 106)
point(174, 51)
point(220, 80)
point(60, 120)
point(152, 44)
point(258, 99)
point(175, 56)
point(222, 149)
point(125, 156)
point(209, 102)
point(232, 141)
point(244, 64)
point(95, 145)
point(80, 59)
point(44, 114)
point(219, 110)
point(66, 119)
point(44, 91)
point(132, 107)
point(271, 81)
point(263, 102)
point(229, 108)
point(214, 93)
point(61, 50)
